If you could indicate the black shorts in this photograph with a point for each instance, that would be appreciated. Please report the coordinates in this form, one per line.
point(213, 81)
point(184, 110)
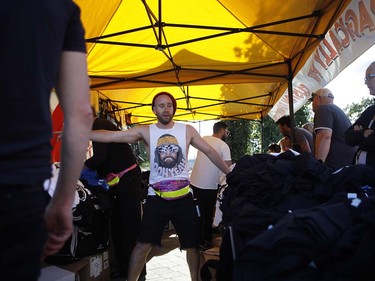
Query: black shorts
point(181, 212)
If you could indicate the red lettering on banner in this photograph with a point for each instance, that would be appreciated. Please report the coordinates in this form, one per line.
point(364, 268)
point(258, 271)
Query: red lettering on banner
point(319, 60)
point(283, 99)
point(372, 6)
point(351, 26)
point(336, 42)
point(314, 73)
point(350, 34)
point(365, 20)
point(351, 23)
point(326, 56)
point(333, 54)
point(301, 90)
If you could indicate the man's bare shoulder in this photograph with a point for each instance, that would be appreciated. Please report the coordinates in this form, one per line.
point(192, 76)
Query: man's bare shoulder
point(142, 131)
point(140, 128)
point(190, 128)
point(191, 132)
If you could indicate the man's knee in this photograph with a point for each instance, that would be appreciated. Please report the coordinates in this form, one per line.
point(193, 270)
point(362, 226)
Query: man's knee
point(192, 251)
point(142, 248)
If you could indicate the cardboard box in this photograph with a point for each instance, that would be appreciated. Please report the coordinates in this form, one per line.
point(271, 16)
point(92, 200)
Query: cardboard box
point(212, 254)
point(90, 268)
point(216, 242)
point(97, 268)
point(54, 273)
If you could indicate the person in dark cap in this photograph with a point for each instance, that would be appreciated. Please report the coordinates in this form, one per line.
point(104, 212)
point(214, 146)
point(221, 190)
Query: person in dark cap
point(362, 134)
point(330, 124)
point(169, 197)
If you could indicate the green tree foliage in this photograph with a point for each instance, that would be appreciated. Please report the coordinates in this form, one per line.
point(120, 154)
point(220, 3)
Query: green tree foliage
point(271, 133)
point(354, 110)
point(303, 115)
point(139, 151)
point(240, 138)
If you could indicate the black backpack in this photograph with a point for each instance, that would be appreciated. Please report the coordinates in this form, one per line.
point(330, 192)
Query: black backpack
point(90, 227)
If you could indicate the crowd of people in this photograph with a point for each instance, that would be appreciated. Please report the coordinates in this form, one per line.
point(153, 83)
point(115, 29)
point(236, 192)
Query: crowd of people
point(331, 137)
point(60, 58)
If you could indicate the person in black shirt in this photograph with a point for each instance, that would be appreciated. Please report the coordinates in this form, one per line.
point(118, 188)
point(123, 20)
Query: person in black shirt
point(361, 133)
point(125, 196)
point(42, 47)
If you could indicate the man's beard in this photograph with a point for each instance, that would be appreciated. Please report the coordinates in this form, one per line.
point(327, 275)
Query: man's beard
point(168, 162)
point(165, 120)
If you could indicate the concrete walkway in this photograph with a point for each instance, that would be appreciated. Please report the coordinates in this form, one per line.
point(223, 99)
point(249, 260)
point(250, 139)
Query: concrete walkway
point(167, 263)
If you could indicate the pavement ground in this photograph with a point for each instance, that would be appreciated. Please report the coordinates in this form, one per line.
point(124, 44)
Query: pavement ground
point(167, 263)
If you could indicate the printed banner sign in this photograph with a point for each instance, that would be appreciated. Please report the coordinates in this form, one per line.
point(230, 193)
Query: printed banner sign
point(350, 36)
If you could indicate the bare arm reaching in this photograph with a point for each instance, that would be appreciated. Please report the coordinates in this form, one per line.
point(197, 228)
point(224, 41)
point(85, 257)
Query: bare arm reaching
point(139, 133)
point(304, 146)
point(73, 92)
point(322, 144)
point(229, 163)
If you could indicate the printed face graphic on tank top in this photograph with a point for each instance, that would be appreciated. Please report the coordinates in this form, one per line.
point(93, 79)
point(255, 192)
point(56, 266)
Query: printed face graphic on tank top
point(169, 160)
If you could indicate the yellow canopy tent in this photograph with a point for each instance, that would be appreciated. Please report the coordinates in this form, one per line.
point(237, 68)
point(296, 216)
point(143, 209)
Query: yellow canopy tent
point(221, 59)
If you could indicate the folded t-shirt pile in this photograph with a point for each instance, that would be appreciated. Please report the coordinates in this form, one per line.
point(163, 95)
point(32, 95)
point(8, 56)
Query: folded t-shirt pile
point(289, 217)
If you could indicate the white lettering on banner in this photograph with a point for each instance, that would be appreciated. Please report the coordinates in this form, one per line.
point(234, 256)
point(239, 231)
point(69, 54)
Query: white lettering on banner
point(351, 35)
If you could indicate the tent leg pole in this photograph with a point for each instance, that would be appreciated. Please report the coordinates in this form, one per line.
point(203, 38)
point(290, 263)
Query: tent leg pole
point(290, 99)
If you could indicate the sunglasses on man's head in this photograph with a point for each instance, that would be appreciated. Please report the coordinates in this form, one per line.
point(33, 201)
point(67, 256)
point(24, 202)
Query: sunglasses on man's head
point(312, 97)
point(329, 95)
point(368, 77)
point(168, 148)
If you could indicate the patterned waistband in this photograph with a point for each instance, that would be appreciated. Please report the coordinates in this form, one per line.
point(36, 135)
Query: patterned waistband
point(172, 189)
point(170, 185)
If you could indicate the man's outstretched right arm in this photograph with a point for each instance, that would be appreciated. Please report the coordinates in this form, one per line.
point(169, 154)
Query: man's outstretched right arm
point(129, 136)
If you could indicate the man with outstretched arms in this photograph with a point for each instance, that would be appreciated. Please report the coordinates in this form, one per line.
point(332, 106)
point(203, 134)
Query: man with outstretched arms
point(169, 197)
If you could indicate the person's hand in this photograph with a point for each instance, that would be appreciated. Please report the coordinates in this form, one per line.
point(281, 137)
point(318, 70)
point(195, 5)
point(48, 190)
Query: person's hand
point(59, 224)
point(367, 132)
point(358, 128)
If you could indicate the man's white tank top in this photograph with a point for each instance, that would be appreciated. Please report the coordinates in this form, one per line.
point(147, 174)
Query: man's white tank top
point(168, 156)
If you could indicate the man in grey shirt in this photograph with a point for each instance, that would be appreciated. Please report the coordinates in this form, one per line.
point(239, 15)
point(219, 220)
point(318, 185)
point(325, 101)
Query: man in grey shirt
point(330, 124)
point(302, 139)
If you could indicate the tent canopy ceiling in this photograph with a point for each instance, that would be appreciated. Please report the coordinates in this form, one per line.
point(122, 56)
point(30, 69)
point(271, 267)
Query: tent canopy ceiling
point(221, 59)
